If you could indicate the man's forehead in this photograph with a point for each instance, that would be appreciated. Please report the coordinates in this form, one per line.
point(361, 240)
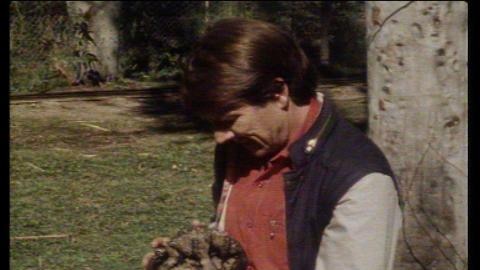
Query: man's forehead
point(220, 117)
point(226, 115)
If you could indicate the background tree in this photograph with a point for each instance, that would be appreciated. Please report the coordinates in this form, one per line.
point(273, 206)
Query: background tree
point(145, 40)
point(417, 77)
point(99, 18)
point(332, 33)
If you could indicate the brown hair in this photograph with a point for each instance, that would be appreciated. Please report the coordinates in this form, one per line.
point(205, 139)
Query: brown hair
point(236, 62)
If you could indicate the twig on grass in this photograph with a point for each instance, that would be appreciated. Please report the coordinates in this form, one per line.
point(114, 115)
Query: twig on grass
point(39, 237)
point(35, 166)
point(94, 126)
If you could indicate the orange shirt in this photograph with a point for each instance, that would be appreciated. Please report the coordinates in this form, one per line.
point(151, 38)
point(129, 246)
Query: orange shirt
point(255, 215)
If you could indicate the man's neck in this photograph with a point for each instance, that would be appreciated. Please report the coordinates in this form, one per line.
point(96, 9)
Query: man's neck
point(297, 117)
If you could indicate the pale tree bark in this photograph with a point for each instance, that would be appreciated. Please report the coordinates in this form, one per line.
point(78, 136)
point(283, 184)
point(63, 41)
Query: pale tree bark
point(207, 7)
point(231, 8)
point(228, 9)
point(100, 16)
point(417, 77)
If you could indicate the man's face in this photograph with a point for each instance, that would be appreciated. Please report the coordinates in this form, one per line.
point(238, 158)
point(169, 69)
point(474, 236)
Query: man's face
point(260, 130)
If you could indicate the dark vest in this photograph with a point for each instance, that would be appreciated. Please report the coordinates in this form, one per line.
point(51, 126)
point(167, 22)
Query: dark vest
point(329, 159)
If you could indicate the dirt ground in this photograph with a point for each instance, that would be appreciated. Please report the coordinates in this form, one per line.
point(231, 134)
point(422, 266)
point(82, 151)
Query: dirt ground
point(95, 110)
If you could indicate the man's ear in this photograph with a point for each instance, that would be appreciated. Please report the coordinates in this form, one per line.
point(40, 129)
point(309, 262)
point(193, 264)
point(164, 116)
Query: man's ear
point(282, 97)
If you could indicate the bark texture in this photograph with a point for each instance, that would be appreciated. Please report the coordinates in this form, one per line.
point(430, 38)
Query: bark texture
point(417, 77)
point(100, 16)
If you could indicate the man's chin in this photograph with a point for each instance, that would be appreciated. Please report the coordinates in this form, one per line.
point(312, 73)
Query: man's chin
point(258, 152)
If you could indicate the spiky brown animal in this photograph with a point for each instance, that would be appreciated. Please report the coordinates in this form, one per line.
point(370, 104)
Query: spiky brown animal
point(199, 248)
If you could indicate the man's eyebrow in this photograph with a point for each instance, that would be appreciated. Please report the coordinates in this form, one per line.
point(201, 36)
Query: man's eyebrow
point(230, 116)
point(224, 119)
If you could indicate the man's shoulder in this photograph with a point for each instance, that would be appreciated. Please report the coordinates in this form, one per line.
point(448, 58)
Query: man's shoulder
point(346, 157)
point(349, 149)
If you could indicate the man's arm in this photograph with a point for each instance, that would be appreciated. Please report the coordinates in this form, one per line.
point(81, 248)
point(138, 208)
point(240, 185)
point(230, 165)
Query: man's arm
point(363, 232)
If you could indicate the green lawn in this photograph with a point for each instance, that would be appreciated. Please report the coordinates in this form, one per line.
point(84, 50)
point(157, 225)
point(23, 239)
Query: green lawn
point(112, 190)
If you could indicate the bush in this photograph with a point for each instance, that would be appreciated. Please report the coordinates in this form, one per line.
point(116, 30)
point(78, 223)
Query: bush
point(41, 38)
point(46, 47)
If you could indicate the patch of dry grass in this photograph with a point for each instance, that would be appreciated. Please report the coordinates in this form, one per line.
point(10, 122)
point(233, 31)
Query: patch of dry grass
point(112, 191)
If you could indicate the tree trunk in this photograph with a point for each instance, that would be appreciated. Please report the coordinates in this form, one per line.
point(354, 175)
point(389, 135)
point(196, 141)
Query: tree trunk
point(417, 77)
point(324, 42)
point(100, 16)
point(207, 7)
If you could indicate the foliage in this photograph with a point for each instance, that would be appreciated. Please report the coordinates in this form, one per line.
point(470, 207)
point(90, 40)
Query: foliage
point(84, 38)
point(47, 46)
point(38, 32)
point(305, 19)
point(154, 36)
point(348, 43)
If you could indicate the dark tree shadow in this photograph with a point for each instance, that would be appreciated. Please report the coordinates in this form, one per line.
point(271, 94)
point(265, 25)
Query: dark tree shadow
point(166, 106)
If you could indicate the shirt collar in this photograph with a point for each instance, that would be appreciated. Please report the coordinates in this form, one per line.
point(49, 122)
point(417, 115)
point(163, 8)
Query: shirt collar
point(314, 110)
point(302, 149)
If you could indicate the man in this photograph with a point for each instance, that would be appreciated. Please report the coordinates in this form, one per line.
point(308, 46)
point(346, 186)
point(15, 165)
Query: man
point(296, 184)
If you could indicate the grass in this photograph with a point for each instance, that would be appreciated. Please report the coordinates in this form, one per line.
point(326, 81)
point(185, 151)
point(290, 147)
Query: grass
point(112, 191)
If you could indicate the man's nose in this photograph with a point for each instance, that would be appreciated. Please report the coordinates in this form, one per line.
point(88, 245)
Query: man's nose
point(223, 136)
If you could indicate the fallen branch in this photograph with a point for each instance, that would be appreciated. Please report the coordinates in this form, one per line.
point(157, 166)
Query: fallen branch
point(94, 126)
point(34, 166)
point(38, 237)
